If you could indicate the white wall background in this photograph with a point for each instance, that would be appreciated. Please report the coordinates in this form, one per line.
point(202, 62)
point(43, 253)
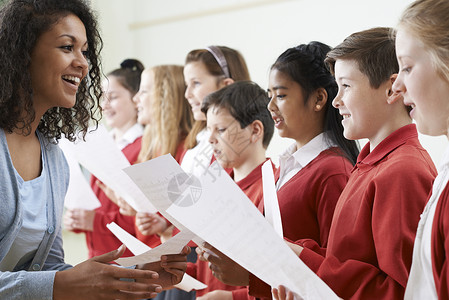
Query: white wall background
point(163, 32)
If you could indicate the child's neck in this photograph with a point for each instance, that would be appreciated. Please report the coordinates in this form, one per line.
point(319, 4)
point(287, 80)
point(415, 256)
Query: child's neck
point(255, 159)
point(389, 127)
point(119, 132)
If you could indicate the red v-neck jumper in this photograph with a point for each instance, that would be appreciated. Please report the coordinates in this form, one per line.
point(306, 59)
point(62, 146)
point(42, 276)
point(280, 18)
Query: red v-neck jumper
point(371, 239)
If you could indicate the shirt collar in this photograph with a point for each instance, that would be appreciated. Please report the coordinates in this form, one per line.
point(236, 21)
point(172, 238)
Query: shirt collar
point(130, 136)
point(391, 142)
point(304, 155)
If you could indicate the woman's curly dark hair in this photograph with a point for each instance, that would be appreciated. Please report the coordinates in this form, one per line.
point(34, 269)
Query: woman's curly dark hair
point(22, 22)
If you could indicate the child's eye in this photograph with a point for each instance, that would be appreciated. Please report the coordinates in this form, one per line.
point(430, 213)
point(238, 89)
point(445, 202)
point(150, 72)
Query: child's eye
point(221, 130)
point(406, 69)
point(280, 96)
point(345, 85)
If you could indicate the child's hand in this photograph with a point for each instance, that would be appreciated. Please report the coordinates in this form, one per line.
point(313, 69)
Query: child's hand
point(223, 268)
point(171, 269)
point(125, 208)
point(281, 293)
point(149, 224)
point(216, 295)
point(296, 248)
point(107, 191)
point(79, 219)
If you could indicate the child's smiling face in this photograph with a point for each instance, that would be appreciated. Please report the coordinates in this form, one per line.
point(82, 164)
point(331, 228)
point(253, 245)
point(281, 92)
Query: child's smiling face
point(361, 105)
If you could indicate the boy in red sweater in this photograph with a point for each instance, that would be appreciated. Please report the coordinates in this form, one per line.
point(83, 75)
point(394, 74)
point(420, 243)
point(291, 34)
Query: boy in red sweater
point(370, 243)
point(241, 128)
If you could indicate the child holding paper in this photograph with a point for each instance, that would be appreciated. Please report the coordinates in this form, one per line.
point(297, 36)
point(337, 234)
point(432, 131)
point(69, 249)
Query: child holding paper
point(371, 239)
point(240, 129)
point(206, 70)
point(422, 48)
point(167, 117)
point(120, 113)
point(315, 169)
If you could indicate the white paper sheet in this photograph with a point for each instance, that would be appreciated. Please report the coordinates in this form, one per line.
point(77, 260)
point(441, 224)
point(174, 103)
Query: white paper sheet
point(171, 246)
point(137, 247)
point(101, 156)
point(134, 245)
point(216, 210)
point(270, 199)
point(79, 193)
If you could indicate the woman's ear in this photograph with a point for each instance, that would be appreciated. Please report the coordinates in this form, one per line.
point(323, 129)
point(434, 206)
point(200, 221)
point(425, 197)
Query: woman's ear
point(257, 131)
point(320, 99)
point(392, 97)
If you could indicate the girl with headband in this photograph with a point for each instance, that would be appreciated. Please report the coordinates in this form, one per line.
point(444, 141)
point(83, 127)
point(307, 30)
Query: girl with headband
point(205, 71)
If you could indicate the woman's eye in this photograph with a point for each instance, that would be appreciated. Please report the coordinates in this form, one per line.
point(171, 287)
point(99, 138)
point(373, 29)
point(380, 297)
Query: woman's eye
point(67, 47)
point(85, 53)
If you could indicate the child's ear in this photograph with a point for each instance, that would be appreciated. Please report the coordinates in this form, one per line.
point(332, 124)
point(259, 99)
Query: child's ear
point(392, 97)
point(228, 81)
point(256, 131)
point(320, 99)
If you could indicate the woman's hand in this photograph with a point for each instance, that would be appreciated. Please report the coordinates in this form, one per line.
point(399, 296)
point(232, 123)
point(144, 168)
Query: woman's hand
point(171, 269)
point(149, 224)
point(223, 268)
point(79, 219)
point(96, 279)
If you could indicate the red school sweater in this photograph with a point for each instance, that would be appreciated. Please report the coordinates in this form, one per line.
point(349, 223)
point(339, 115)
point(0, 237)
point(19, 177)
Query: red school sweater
point(370, 244)
point(252, 186)
point(440, 245)
point(101, 240)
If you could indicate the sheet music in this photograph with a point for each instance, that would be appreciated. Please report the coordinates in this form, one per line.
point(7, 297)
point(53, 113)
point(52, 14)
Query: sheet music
point(79, 193)
point(270, 199)
point(103, 158)
point(140, 249)
point(215, 209)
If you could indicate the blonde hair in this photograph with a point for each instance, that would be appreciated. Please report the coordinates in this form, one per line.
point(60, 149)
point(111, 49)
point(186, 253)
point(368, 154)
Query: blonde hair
point(238, 71)
point(171, 118)
point(428, 20)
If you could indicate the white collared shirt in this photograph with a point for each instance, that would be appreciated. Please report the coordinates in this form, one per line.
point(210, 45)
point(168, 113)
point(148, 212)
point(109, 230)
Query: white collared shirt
point(293, 160)
point(197, 160)
point(130, 136)
point(421, 284)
